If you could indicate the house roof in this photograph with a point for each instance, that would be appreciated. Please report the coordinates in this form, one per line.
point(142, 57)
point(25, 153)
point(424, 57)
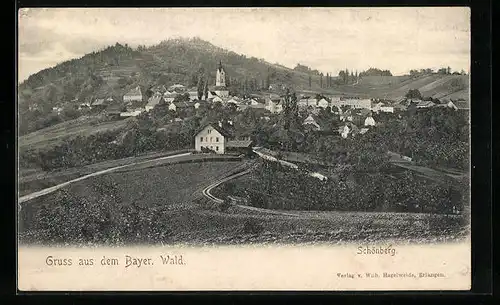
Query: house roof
point(176, 86)
point(425, 104)
point(258, 106)
point(221, 130)
point(154, 100)
point(239, 143)
point(99, 102)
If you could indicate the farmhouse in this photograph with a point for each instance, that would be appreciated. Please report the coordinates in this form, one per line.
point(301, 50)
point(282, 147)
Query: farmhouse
point(215, 138)
point(134, 95)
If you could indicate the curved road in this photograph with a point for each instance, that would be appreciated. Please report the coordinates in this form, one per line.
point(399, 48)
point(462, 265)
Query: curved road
point(206, 193)
point(56, 187)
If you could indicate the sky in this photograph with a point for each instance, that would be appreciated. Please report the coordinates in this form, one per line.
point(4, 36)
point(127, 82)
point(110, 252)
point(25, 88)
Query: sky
point(327, 39)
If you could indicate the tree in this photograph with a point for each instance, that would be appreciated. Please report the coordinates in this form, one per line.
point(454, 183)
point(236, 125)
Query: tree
point(194, 80)
point(206, 89)
point(309, 81)
point(342, 76)
point(321, 80)
point(413, 94)
point(200, 88)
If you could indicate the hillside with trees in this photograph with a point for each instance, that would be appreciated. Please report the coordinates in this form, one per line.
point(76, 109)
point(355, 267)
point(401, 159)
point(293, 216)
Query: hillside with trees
point(113, 71)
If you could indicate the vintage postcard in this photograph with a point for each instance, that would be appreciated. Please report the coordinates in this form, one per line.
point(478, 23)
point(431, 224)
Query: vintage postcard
point(186, 149)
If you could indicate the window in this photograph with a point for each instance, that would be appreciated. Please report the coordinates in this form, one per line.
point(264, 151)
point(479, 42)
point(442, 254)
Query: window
point(217, 148)
point(216, 139)
point(211, 147)
point(201, 139)
point(210, 139)
point(209, 130)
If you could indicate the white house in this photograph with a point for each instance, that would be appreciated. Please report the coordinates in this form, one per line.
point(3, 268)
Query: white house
point(344, 131)
point(253, 102)
point(217, 99)
point(311, 121)
point(388, 109)
point(212, 137)
point(323, 103)
point(134, 95)
point(369, 121)
point(232, 100)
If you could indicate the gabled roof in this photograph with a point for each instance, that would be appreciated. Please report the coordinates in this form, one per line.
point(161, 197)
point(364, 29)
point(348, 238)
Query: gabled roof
point(99, 102)
point(239, 143)
point(425, 104)
point(176, 86)
point(219, 129)
point(154, 100)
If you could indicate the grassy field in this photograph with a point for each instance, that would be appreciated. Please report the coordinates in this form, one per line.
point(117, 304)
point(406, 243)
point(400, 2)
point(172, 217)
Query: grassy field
point(395, 87)
point(33, 181)
point(83, 126)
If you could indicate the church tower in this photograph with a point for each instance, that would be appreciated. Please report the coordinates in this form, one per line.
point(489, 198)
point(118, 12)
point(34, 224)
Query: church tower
point(220, 80)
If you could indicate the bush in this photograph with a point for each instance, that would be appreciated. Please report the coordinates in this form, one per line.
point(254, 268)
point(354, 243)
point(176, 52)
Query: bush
point(252, 226)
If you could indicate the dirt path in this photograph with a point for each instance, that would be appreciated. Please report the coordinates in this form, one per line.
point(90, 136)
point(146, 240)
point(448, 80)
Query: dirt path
point(61, 185)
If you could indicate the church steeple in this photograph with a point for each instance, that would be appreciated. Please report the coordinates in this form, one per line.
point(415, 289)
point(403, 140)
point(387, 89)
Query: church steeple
point(220, 80)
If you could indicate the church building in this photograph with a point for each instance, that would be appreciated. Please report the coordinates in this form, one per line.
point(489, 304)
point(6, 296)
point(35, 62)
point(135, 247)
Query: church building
point(220, 82)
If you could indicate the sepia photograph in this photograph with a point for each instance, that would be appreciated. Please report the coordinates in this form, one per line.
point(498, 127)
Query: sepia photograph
point(243, 129)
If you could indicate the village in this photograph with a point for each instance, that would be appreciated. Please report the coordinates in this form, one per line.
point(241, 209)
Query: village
point(354, 115)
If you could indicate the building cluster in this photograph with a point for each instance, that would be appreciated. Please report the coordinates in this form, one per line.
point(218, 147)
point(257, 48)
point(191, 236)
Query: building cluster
point(355, 114)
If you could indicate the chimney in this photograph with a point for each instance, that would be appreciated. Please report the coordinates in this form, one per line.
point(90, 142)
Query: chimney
point(220, 124)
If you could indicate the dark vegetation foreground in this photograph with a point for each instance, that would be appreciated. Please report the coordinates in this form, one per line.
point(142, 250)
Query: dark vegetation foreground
point(165, 205)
